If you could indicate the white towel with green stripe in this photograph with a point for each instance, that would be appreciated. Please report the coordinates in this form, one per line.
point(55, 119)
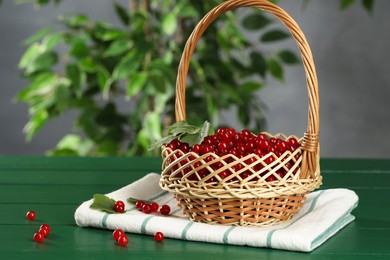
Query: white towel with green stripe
point(323, 214)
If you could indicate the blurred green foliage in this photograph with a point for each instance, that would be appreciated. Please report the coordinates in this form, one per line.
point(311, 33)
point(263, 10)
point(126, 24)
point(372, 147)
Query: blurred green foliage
point(93, 68)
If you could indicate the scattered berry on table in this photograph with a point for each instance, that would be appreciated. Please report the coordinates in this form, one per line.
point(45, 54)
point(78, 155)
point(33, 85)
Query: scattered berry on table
point(123, 240)
point(31, 215)
point(44, 232)
point(165, 210)
point(38, 237)
point(45, 226)
point(159, 236)
point(117, 233)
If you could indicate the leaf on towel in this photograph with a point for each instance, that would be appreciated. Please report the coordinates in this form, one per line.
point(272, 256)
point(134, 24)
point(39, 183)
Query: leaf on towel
point(103, 203)
point(134, 200)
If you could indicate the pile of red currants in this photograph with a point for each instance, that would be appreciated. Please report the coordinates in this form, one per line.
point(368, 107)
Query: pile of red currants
point(232, 145)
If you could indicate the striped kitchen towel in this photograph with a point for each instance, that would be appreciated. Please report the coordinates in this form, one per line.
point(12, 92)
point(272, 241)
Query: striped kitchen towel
point(323, 214)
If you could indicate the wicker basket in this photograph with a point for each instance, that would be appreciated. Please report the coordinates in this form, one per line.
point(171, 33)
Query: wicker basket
point(250, 200)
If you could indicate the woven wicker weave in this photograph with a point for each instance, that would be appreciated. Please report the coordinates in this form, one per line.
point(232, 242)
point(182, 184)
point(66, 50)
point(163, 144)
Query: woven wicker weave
point(245, 199)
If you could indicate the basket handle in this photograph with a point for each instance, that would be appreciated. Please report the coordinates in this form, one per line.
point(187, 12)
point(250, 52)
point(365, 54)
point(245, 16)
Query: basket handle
point(309, 144)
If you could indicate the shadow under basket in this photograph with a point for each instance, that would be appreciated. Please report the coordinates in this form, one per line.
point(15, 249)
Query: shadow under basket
point(252, 190)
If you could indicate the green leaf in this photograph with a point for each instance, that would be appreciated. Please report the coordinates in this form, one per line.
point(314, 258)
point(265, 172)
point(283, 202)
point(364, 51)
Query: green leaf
point(169, 24)
point(288, 57)
point(42, 84)
point(107, 147)
point(258, 63)
point(31, 53)
point(188, 11)
point(88, 65)
point(274, 35)
point(37, 36)
point(344, 4)
point(136, 83)
point(255, 21)
point(76, 76)
point(75, 21)
point(368, 5)
point(249, 87)
point(122, 14)
point(79, 49)
point(126, 66)
point(51, 41)
point(275, 69)
point(62, 94)
point(43, 61)
point(152, 125)
point(35, 124)
point(70, 141)
point(158, 81)
point(103, 203)
point(117, 47)
point(134, 200)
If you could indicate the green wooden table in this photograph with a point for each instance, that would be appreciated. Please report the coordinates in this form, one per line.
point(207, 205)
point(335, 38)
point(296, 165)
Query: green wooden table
point(54, 187)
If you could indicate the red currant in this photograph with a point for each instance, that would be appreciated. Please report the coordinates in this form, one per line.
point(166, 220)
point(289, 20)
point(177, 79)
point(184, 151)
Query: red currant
point(184, 147)
point(224, 174)
point(147, 209)
point(263, 144)
point(269, 160)
point(249, 147)
point(196, 149)
point(154, 206)
point(159, 236)
point(171, 146)
point(271, 178)
point(31, 215)
point(119, 202)
point(140, 204)
point(44, 232)
point(246, 132)
point(293, 143)
point(38, 237)
point(282, 146)
point(223, 146)
point(45, 226)
point(165, 210)
point(236, 138)
point(119, 208)
point(117, 233)
point(261, 137)
point(205, 149)
point(123, 240)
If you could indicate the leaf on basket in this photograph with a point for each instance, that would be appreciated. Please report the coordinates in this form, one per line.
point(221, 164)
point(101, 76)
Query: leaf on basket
point(184, 132)
point(103, 203)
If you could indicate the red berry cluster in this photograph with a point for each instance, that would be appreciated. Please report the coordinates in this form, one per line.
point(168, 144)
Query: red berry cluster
point(119, 206)
point(122, 240)
point(148, 208)
point(240, 144)
point(43, 231)
point(120, 236)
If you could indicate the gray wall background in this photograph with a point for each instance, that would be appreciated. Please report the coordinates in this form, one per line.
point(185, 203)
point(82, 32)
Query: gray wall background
point(351, 51)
